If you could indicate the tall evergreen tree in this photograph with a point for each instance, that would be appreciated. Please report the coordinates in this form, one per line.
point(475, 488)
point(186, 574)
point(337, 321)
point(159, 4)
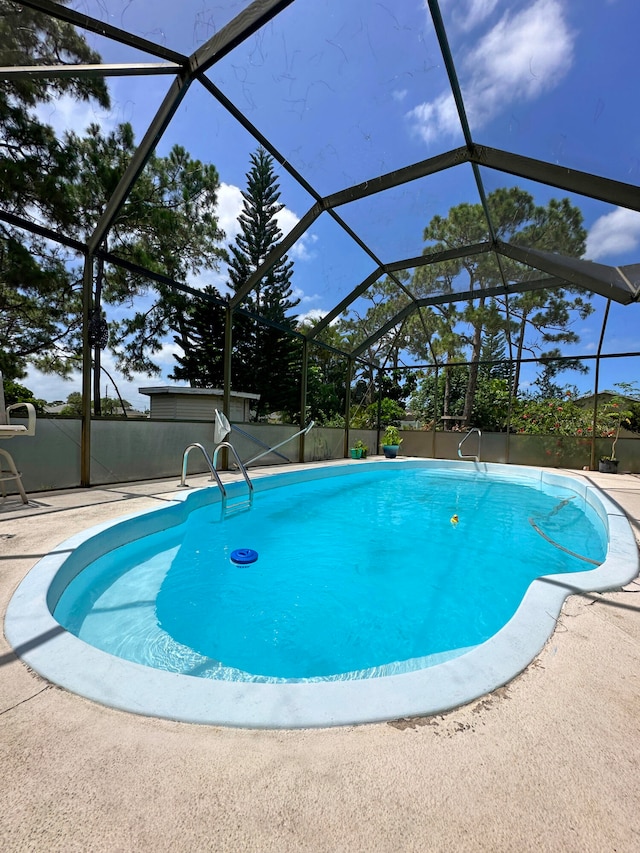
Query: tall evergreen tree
point(494, 348)
point(266, 356)
point(200, 335)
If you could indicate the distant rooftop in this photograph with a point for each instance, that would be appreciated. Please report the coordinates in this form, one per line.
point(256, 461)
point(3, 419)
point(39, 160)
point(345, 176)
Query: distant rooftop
point(211, 392)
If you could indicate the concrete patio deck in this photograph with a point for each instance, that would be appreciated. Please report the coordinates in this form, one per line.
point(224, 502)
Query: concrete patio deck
point(550, 762)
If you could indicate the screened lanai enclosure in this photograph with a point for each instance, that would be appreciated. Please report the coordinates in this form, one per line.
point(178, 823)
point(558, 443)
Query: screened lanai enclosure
point(424, 214)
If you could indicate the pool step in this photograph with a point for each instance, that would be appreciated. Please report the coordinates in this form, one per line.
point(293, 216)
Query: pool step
point(235, 508)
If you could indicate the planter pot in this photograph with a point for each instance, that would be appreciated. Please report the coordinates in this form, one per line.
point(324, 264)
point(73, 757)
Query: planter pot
point(390, 450)
point(608, 466)
point(356, 452)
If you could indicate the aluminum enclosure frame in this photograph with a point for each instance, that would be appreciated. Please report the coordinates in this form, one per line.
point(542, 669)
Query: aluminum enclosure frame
point(620, 284)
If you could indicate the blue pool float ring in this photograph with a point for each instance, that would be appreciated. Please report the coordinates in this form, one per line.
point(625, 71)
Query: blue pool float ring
point(244, 556)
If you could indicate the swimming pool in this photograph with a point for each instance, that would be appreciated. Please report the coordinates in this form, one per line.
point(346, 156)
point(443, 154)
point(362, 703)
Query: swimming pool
point(377, 571)
point(425, 679)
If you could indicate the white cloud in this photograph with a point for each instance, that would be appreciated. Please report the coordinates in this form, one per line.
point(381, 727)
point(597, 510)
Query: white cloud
point(302, 249)
point(229, 209)
point(49, 387)
point(299, 294)
point(519, 59)
point(165, 356)
point(313, 314)
point(434, 118)
point(67, 113)
point(129, 388)
point(467, 15)
point(522, 56)
point(614, 234)
point(217, 278)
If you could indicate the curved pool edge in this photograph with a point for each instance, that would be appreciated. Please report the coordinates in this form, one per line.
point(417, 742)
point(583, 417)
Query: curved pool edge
point(67, 661)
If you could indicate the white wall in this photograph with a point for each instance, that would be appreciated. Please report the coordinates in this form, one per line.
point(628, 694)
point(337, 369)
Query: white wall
point(127, 450)
point(135, 449)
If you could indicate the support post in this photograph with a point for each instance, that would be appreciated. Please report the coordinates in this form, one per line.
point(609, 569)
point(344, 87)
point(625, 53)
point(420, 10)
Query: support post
point(379, 413)
point(435, 414)
point(303, 397)
point(507, 449)
point(592, 463)
point(226, 388)
point(85, 435)
point(347, 407)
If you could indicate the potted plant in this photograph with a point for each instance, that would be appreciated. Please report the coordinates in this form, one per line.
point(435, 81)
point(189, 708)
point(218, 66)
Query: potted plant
point(614, 412)
point(391, 441)
point(607, 465)
point(359, 450)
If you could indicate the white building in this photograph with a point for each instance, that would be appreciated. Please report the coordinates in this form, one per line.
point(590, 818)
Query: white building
point(171, 402)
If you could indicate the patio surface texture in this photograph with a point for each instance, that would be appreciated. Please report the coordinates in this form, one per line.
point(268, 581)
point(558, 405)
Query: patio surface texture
point(550, 762)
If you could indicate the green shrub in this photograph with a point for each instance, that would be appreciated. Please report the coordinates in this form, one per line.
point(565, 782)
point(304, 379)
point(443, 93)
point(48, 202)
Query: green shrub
point(391, 436)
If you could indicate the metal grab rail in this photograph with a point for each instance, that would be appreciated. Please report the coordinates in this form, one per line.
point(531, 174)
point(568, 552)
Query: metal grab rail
point(238, 462)
point(476, 458)
point(211, 463)
point(211, 466)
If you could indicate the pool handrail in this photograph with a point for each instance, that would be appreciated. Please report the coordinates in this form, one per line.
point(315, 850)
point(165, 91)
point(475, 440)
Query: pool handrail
point(475, 458)
point(211, 463)
point(238, 462)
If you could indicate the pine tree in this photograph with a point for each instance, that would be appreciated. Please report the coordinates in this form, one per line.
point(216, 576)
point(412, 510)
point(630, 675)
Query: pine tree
point(200, 335)
point(265, 357)
point(494, 349)
point(35, 166)
point(39, 294)
point(167, 224)
point(517, 219)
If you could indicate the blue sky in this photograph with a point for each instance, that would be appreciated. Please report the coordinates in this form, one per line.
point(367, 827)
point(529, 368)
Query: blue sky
point(350, 90)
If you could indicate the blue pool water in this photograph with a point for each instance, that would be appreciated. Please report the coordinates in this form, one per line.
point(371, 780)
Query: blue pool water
point(356, 576)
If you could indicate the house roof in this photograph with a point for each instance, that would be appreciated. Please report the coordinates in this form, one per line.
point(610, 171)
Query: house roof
point(195, 392)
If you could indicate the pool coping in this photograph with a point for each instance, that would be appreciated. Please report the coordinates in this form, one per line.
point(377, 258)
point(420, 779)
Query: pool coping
point(69, 662)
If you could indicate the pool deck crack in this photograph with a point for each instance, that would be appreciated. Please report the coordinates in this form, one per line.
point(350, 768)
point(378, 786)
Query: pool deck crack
point(24, 701)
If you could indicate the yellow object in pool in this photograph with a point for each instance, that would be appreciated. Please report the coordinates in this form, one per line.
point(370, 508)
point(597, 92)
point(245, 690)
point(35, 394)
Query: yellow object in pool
point(454, 519)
